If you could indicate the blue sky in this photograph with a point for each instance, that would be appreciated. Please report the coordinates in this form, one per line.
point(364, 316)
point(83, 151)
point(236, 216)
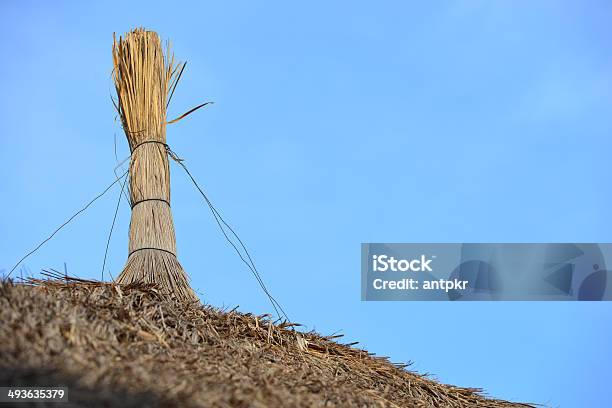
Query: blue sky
point(336, 124)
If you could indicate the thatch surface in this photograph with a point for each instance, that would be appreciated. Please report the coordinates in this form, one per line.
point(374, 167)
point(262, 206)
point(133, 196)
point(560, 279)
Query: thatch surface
point(130, 346)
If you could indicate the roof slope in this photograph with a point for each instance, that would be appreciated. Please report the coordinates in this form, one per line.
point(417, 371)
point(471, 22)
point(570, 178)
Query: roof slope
point(128, 346)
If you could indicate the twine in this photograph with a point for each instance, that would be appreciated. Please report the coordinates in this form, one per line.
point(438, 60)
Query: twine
point(173, 156)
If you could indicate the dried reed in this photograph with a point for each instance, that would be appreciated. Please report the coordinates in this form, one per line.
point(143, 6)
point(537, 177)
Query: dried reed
point(143, 79)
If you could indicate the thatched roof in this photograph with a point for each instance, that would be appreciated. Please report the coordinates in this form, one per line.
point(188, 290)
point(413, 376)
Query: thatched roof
point(130, 347)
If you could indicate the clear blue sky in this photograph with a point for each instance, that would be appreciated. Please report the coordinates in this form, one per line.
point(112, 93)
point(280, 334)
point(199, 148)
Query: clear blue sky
point(336, 124)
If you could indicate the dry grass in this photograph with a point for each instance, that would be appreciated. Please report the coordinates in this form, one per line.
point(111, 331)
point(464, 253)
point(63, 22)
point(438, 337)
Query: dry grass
point(143, 78)
point(131, 346)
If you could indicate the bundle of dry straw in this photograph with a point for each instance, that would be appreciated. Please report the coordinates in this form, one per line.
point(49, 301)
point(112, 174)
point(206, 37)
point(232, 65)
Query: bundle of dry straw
point(143, 79)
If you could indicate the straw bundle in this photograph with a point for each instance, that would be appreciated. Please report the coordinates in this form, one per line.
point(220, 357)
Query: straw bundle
point(143, 77)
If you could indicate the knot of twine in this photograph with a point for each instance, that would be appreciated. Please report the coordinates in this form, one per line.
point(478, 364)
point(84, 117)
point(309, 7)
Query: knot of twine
point(171, 153)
